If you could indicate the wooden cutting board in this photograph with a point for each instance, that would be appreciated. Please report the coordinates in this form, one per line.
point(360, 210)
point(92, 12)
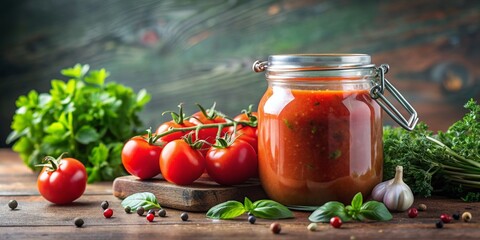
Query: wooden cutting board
point(197, 197)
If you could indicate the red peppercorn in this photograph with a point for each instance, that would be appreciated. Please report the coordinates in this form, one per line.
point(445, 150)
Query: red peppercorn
point(275, 227)
point(412, 213)
point(150, 217)
point(108, 213)
point(336, 222)
point(446, 218)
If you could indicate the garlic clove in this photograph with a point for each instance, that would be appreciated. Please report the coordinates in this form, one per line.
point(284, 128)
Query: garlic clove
point(398, 195)
point(378, 191)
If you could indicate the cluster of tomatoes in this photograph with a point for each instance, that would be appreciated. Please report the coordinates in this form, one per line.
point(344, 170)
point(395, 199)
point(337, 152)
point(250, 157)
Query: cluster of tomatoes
point(186, 147)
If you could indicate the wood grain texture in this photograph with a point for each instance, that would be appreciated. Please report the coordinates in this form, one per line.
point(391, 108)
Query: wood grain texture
point(35, 218)
point(197, 197)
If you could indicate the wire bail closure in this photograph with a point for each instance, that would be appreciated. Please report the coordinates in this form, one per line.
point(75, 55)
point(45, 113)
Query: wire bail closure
point(377, 91)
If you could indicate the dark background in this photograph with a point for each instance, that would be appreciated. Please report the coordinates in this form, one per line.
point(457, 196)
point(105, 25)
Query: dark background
point(202, 51)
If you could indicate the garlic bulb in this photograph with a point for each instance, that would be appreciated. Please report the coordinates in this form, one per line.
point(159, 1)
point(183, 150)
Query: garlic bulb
point(395, 194)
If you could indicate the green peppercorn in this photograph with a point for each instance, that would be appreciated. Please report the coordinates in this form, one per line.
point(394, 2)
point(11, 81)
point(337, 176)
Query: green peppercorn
point(128, 209)
point(184, 216)
point(140, 211)
point(12, 204)
point(162, 213)
point(104, 205)
point(78, 222)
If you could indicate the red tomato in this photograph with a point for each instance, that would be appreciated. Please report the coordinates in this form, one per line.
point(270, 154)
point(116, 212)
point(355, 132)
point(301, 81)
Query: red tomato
point(63, 181)
point(180, 163)
point(141, 158)
point(176, 135)
point(207, 134)
point(246, 133)
point(233, 164)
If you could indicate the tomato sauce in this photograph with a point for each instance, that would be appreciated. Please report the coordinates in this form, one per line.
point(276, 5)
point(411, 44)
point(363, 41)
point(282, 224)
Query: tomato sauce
point(319, 145)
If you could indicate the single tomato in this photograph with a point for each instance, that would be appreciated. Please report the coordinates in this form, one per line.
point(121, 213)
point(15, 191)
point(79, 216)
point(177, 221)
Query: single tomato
point(140, 156)
point(207, 134)
point(180, 163)
point(62, 180)
point(232, 163)
point(244, 132)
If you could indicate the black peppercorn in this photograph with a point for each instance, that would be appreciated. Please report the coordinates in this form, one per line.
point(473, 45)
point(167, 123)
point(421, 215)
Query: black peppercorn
point(439, 224)
point(162, 213)
point(104, 205)
point(78, 222)
point(184, 216)
point(140, 211)
point(12, 204)
point(252, 219)
point(456, 216)
point(151, 211)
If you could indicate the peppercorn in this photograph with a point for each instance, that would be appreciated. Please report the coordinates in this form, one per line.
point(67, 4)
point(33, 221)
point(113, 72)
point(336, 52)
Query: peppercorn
point(456, 216)
point(184, 216)
point(108, 213)
point(150, 217)
point(104, 205)
point(128, 209)
point(466, 217)
point(151, 211)
point(439, 224)
point(162, 213)
point(78, 222)
point(252, 219)
point(312, 227)
point(275, 228)
point(412, 213)
point(140, 211)
point(12, 204)
point(422, 207)
point(445, 218)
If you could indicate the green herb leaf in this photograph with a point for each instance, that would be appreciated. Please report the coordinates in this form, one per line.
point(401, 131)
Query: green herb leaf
point(357, 201)
point(374, 210)
point(248, 205)
point(226, 210)
point(330, 209)
point(86, 135)
point(270, 209)
point(146, 200)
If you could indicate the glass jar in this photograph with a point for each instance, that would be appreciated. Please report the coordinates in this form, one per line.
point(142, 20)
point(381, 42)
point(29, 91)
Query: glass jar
point(320, 127)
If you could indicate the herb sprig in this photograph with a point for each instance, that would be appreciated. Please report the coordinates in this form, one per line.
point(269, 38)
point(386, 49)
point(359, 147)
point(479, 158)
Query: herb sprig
point(371, 210)
point(267, 209)
point(84, 116)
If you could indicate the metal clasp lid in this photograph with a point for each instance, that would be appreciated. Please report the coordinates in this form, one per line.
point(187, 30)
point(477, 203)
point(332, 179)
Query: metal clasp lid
point(376, 92)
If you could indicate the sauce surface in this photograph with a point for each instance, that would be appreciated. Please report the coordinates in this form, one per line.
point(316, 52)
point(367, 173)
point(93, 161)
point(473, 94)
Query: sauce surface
point(319, 145)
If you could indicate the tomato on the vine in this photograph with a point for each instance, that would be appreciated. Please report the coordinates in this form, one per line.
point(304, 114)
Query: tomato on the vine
point(245, 132)
point(207, 116)
point(62, 180)
point(231, 162)
point(140, 156)
point(178, 121)
point(180, 163)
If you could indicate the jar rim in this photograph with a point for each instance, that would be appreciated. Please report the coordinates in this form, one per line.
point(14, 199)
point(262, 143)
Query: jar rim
point(318, 62)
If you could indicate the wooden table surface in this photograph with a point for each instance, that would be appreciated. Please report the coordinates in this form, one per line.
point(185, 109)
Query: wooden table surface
point(39, 219)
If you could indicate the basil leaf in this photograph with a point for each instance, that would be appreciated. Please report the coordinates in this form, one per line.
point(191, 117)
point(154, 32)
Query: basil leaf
point(270, 209)
point(226, 210)
point(329, 210)
point(357, 201)
point(374, 210)
point(146, 200)
point(248, 205)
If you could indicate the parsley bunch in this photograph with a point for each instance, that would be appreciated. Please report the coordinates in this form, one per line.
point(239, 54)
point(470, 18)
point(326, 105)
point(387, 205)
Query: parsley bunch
point(84, 116)
point(448, 162)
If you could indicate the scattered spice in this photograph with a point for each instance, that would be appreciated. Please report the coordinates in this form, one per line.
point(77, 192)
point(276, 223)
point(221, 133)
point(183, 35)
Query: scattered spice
point(336, 222)
point(12, 204)
point(446, 218)
point(466, 217)
point(456, 216)
point(412, 213)
point(78, 222)
point(150, 217)
point(162, 213)
point(151, 211)
point(108, 213)
point(104, 205)
point(422, 207)
point(128, 209)
point(252, 219)
point(275, 228)
point(184, 216)
point(439, 224)
point(140, 211)
point(312, 227)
